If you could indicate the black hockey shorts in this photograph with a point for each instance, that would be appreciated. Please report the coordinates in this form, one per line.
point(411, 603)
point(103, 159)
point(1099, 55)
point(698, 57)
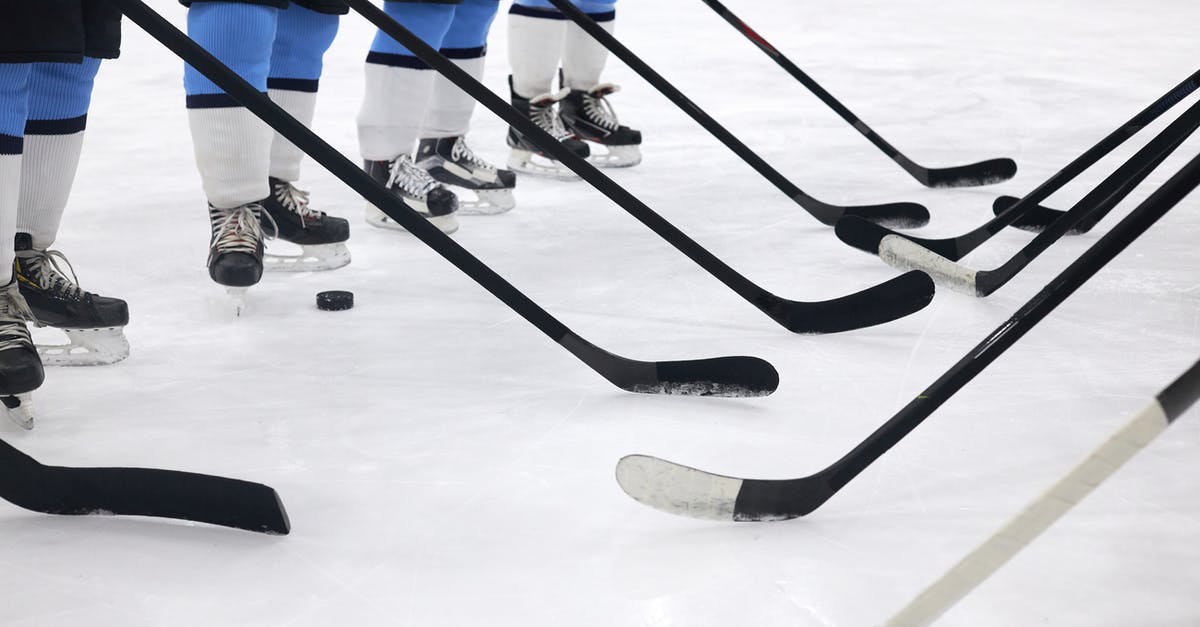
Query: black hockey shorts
point(58, 30)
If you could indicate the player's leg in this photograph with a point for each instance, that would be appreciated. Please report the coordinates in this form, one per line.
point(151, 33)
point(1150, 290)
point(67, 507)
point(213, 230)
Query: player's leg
point(232, 146)
point(536, 37)
point(302, 36)
point(586, 111)
point(398, 90)
point(59, 97)
point(443, 150)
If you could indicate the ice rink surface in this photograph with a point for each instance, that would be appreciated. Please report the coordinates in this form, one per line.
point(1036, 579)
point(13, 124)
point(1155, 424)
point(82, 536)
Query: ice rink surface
point(445, 464)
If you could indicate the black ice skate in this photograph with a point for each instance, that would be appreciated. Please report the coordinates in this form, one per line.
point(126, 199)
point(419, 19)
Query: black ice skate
point(526, 156)
point(322, 238)
point(417, 189)
point(93, 324)
point(20, 367)
point(589, 116)
point(235, 252)
point(450, 161)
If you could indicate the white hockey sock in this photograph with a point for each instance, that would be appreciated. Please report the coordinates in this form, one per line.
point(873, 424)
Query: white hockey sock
point(584, 57)
point(10, 194)
point(535, 46)
point(393, 110)
point(285, 156)
point(450, 108)
point(233, 154)
point(47, 173)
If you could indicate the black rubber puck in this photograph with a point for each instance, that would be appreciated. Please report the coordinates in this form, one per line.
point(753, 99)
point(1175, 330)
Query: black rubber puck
point(335, 300)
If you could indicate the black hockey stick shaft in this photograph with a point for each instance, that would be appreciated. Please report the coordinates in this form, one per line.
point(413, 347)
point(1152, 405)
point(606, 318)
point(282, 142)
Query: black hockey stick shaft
point(982, 173)
point(1013, 329)
point(742, 376)
point(899, 214)
point(867, 236)
point(1099, 201)
point(62, 490)
point(882, 303)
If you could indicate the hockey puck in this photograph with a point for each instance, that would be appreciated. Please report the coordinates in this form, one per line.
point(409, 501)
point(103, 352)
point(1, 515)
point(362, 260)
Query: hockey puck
point(335, 300)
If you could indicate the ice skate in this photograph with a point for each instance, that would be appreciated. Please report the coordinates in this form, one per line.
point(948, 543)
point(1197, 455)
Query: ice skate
point(235, 252)
point(20, 367)
point(93, 324)
point(417, 189)
point(322, 238)
point(450, 161)
point(589, 116)
point(526, 157)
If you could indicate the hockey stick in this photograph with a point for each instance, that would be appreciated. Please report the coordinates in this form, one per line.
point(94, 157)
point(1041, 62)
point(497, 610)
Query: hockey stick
point(866, 236)
point(899, 215)
point(139, 492)
point(1025, 527)
point(901, 253)
point(723, 376)
point(885, 302)
point(982, 173)
point(686, 491)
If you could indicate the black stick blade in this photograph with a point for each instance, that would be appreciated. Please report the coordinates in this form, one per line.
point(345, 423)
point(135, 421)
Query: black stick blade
point(1035, 219)
point(897, 215)
point(861, 234)
point(888, 301)
point(686, 491)
point(973, 175)
point(139, 492)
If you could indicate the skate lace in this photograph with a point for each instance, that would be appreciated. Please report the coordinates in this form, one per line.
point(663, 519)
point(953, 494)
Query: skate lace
point(14, 313)
point(541, 111)
point(296, 200)
point(598, 109)
point(462, 152)
point(405, 174)
point(239, 229)
point(42, 268)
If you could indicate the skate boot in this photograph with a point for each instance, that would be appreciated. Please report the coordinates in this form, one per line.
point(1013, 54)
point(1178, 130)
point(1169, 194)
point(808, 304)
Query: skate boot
point(450, 161)
point(322, 238)
point(589, 116)
point(93, 324)
point(20, 368)
point(526, 156)
point(235, 252)
point(417, 189)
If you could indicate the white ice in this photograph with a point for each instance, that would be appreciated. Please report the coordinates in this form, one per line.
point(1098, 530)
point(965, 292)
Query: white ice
point(445, 464)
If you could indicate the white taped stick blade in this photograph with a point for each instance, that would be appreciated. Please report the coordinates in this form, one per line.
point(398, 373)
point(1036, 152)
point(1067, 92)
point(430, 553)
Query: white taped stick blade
point(678, 489)
point(904, 254)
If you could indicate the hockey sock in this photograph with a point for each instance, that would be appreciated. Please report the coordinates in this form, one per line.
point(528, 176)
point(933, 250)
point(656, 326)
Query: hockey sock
point(59, 96)
point(583, 56)
point(14, 110)
point(535, 46)
point(301, 39)
point(398, 84)
point(233, 147)
point(465, 43)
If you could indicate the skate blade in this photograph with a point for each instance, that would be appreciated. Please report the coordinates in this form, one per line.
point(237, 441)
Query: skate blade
point(378, 219)
point(19, 408)
point(86, 347)
point(616, 156)
point(237, 298)
point(527, 162)
point(488, 202)
point(312, 258)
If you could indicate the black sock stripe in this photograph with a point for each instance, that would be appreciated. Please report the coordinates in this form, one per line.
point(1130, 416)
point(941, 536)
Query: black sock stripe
point(464, 53)
point(555, 14)
point(212, 101)
point(294, 84)
point(68, 126)
point(397, 60)
point(11, 144)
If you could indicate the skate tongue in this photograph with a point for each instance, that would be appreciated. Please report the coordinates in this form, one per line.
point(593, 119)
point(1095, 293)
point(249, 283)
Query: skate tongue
point(604, 89)
point(550, 97)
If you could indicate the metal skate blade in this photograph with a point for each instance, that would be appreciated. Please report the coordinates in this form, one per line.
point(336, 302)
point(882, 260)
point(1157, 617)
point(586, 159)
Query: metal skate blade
point(19, 408)
point(378, 219)
point(311, 258)
point(488, 202)
point(527, 162)
point(86, 347)
point(237, 298)
point(616, 156)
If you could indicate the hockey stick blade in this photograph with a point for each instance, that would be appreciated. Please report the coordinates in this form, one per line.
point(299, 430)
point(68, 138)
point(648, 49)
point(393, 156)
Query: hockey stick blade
point(974, 175)
point(895, 215)
point(1036, 219)
point(720, 376)
point(888, 301)
point(867, 237)
point(687, 491)
point(61, 490)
